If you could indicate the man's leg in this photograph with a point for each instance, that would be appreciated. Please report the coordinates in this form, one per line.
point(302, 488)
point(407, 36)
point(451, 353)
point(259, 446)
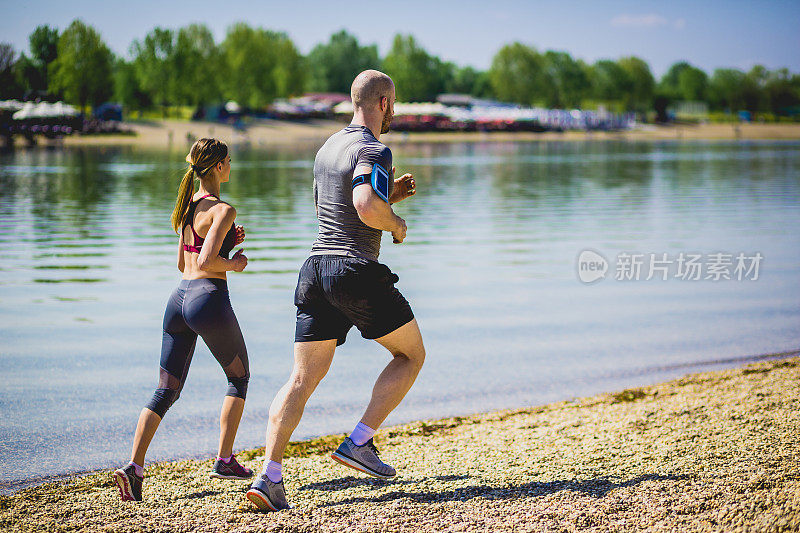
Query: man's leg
point(405, 344)
point(311, 362)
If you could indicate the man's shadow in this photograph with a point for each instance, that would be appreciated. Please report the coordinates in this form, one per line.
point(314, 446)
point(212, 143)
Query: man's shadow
point(596, 488)
point(352, 481)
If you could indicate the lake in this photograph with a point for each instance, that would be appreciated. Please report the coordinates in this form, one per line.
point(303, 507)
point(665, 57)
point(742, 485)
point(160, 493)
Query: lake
point(490, 266)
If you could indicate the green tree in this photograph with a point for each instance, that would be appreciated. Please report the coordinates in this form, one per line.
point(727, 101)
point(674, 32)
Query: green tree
point(766, 90)
point(83, 69)
point(9, 86)
point(196, 61)
point(417, 75)
point(127, 90)
point(795, 83)
point(333, 65)
point(43, 43)
point(290, 70)
point(566, 81)
point(693, 84)
point(465, 80)
point(28, 75)
point(781, 91)
point(727, 89)
point(669, 86)
point(756, 81)
point(482, 87)
point(642, 87)
point(517, 74)
point(610, 82)
point(684, 82)
point(154, 62)
point(261, 65)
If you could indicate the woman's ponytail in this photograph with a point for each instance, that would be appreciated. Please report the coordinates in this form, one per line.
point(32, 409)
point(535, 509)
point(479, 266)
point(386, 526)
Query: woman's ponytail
point(185, 192)
point(205, 153)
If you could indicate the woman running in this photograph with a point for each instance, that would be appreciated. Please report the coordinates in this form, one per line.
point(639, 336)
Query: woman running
point(200, 305)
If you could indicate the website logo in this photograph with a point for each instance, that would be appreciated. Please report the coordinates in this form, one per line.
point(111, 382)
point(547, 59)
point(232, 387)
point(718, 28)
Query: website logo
point(591, 266)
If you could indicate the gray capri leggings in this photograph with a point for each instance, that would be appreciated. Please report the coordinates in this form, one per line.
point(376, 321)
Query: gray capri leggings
point(199, 307)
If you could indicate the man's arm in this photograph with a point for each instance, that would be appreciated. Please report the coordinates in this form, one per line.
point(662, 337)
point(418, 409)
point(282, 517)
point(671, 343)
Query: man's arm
point(372, 209)
point(376, 213)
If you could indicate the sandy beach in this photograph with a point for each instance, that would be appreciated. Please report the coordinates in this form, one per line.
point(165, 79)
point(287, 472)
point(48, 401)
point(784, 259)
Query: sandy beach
point(267, 133)
point(716, 451)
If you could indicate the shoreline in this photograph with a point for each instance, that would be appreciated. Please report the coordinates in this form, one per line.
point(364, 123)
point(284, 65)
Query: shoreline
point(313, 442)
point(275, 133)
point(709, 451)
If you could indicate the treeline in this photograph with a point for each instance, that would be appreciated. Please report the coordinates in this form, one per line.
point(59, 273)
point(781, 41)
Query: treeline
point(254, 66)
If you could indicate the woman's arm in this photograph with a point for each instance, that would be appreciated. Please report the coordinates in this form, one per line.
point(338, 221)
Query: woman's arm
point(181, 263)
point(222, 216)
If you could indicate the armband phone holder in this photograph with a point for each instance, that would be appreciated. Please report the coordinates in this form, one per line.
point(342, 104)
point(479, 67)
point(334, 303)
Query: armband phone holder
point(380, 181)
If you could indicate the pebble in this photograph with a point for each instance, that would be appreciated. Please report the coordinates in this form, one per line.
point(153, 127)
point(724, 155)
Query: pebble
point(718, 451)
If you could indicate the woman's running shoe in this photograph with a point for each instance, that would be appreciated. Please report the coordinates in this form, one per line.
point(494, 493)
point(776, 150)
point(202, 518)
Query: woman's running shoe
point(363, 458)
point(129, 484)
point(266, 495)
point(230, 470)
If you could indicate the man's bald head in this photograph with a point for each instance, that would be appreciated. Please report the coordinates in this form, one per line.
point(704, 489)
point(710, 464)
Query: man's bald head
point(369, 87)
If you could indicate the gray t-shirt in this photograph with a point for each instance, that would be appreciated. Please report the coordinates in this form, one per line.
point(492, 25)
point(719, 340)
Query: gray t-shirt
point(341, 232)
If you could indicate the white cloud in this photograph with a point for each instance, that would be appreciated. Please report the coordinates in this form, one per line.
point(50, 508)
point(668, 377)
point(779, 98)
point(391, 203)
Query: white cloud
point(650, 20)
point(679, 24)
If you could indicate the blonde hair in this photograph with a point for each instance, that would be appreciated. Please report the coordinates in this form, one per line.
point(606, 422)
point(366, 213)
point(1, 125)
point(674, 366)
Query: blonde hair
point(205, 153)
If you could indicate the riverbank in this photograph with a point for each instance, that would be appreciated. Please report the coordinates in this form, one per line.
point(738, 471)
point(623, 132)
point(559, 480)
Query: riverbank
point(717, 451)
point(268, 133)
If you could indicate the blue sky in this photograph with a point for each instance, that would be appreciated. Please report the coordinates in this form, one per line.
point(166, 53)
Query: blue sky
point(709, 34)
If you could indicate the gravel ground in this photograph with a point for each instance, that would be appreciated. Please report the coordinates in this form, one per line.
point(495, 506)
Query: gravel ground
point(717, 451)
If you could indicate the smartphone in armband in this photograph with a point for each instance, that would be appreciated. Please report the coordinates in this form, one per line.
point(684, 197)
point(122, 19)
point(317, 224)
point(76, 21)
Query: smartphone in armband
point(380, 181)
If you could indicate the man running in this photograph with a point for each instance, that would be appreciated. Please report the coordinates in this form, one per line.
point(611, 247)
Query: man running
point(342, 284)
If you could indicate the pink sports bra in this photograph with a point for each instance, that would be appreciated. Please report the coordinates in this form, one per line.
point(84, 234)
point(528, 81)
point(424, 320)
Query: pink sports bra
point(227, 244)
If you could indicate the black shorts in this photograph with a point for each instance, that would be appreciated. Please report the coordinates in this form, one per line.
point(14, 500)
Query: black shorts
point(335, 292)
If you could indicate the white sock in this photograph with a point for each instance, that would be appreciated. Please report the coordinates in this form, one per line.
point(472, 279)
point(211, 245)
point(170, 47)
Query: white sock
point(138, 469)
point(361, 434)
point(273, 471)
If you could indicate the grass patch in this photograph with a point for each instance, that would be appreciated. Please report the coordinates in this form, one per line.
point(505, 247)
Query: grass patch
point(764, 370)
point(302, 448)
point(628, 395)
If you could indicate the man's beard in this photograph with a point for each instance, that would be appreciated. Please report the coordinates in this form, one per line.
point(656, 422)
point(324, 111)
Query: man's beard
point(387, 120)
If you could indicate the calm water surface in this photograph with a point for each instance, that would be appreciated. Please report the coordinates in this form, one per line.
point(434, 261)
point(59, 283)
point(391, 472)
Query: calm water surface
point(489, 266)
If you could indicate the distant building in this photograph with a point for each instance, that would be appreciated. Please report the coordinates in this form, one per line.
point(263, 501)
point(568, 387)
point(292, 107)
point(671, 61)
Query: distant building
point(456, 100)
point(327, 98)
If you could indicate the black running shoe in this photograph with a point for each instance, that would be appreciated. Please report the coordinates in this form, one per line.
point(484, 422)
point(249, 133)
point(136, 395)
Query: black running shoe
point(129, 484)
point(231, 470)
